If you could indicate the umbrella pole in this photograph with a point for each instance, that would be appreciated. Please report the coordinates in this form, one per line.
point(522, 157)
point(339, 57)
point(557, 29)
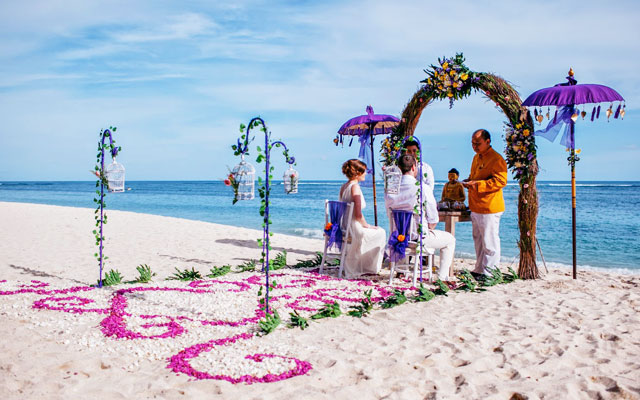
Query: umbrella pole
point(373, 181)
point(573, 195)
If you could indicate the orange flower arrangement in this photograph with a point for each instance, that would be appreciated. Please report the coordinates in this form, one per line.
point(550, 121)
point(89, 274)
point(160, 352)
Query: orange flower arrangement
point(401, 238)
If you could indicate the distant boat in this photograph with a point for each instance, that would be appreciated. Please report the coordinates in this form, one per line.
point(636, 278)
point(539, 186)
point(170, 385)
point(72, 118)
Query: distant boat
point(128, 188)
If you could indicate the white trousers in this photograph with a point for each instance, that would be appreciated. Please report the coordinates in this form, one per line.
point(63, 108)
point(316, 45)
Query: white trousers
point(486, 237)
point(446, 242)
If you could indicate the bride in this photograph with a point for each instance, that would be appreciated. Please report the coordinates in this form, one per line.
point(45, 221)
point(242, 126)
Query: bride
point(364, 255)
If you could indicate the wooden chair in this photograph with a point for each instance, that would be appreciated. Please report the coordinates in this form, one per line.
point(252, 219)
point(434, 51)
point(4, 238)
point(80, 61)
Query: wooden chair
point(338, 253)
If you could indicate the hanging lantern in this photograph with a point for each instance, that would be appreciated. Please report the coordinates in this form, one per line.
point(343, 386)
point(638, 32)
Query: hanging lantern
point(115, 176)
point(290, 180)
point(244, 175)
point(392, 178)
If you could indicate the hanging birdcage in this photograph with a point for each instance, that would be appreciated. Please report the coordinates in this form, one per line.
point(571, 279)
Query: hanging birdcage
point(244, 177)
point(290, 180)
point(392, 178)
point(115, 176)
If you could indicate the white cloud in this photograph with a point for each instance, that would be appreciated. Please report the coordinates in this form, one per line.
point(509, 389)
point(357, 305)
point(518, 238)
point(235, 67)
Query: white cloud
point(176, 28)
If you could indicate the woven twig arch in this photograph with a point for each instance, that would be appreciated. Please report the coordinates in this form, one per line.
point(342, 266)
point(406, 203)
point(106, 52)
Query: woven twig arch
point(452, 80)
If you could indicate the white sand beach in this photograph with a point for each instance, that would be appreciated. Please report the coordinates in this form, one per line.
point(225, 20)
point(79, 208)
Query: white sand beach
point(553, 338)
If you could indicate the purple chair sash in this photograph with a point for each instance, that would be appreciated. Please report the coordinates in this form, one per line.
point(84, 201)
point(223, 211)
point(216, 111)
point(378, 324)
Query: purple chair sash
point(398, 248)
point(336, 212)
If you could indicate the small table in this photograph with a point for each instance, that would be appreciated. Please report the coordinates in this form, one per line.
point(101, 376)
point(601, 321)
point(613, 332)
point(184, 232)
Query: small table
point(451, 217)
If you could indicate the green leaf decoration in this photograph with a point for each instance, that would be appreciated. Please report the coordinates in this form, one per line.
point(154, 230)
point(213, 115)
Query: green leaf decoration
point(145, 273)
point(398, 297)
point(424, 294)
point(365, 306)
point(247, 266)
point(329, 310)
point(314, 262)
point(298, 321)
point(496, 278)
point(219, 271)
point(468, 283)
point(185, 275)
point(441, 288)
point(113, 277)
point(269, 323)
point(511, 276)
point(279, 262)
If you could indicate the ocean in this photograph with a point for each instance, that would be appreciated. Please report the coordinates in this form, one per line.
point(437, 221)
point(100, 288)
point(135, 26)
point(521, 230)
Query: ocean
point(608, 223)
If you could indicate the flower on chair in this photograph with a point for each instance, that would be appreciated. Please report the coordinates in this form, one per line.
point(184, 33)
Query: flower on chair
point(398, 246)
point(334, 235)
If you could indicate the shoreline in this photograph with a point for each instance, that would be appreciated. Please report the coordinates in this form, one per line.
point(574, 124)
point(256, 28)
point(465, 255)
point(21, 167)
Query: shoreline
point(461, 256)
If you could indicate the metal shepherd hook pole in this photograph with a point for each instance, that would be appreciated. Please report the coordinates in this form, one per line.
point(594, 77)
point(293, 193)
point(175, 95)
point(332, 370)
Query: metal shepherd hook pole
point(267, 156)
point(114, 152)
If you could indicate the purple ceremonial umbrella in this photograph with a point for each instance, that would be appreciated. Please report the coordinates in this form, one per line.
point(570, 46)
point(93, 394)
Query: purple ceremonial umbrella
point(366, 126)
point(566, 96)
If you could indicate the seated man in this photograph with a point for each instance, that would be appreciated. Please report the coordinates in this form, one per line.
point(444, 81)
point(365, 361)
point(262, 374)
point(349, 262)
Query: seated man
point(407, 198)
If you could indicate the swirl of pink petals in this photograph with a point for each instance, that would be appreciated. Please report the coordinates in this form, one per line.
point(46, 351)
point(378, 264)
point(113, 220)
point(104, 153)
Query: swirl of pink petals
point(115, 323)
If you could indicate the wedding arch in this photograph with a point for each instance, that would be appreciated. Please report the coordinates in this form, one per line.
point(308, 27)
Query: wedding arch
point(452, 80)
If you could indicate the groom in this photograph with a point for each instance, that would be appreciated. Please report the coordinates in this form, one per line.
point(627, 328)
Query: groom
point(406, 199)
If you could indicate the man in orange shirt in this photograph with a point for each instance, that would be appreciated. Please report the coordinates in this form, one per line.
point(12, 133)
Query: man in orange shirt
point(487, 178)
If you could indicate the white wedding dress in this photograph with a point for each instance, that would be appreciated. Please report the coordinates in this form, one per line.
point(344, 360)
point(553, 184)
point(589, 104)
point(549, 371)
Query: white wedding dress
point(364, 255)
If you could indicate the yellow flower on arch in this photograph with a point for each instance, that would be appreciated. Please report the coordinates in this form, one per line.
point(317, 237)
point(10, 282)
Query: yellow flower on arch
point(445, 65)
point(525, 132)
point(464, 77)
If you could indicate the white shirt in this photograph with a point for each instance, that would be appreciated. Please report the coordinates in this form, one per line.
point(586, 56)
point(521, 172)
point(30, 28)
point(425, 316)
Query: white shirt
point(406, 199)
point(429, 180)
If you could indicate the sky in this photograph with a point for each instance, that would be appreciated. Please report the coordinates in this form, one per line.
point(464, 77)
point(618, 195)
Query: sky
point(177, 78)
